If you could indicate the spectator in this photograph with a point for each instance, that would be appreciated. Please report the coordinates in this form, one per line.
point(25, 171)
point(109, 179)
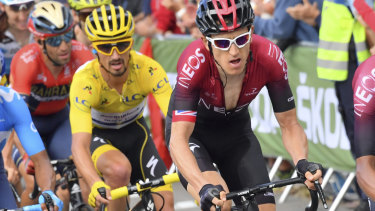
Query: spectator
point(13, 28)
point(367, 17)
point(283, 27)
point(263, 8)
point(309, 13)
point(160, 21)
point(185, 12)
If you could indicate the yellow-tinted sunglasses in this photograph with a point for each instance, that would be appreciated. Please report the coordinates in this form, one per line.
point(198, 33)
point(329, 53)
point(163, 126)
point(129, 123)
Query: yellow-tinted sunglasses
point(106, 47)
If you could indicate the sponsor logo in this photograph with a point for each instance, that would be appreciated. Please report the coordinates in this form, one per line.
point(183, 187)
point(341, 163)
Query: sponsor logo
point(152, 164)
point(88, 88)
point(28, 56)
point(192, 146)
point(104, 101)
point(160, 84)
point(276, 53)
point(43, 93)
point(8, 96)
point(83, 102)
point(134, 97)
point(33, 128)
point(99, 140)
point(253, 92)
point(364, 93)
point(188, 70)
point(41, 77)
point(151, 70)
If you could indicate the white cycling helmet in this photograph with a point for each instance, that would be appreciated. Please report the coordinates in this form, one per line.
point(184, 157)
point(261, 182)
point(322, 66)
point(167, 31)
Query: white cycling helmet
point(11, 2)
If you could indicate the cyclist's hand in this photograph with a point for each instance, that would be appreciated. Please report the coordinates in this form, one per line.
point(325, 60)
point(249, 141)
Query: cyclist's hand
point(208, 197)
point(58, 204)
point(94, 198)
point(13, 173)
point(311, 171)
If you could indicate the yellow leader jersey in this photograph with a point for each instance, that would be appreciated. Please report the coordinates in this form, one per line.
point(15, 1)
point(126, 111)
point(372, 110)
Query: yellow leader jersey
point(95, 104)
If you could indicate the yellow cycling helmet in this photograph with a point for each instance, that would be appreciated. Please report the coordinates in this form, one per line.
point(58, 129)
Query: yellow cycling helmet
point(109, 22)
point(83, 4)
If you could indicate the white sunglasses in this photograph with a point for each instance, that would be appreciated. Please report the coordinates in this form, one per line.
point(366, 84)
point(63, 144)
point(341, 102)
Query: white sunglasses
point(225, 43)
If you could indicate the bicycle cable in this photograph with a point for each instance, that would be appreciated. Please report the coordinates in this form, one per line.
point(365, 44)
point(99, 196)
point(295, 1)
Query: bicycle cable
point(162, 205)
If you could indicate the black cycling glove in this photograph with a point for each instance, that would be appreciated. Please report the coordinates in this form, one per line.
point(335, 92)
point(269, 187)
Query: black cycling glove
point(304, 166)
point(207, 193)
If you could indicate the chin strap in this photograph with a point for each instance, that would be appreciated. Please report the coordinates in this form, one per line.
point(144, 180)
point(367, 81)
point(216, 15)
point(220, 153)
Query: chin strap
point(222, 69)
point(45, 52)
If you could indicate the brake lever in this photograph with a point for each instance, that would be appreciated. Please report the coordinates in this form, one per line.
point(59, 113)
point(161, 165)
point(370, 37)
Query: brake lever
point(48, 201)
point(321, 193)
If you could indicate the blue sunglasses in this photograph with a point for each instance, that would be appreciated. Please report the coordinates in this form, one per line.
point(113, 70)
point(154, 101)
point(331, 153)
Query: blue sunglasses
point(57, 40)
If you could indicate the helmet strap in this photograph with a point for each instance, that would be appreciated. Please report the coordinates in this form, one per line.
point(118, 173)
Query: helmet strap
point(222, 69)
point(45, 52)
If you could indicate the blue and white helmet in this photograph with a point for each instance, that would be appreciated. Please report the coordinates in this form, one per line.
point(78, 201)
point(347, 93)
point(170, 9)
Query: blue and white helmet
point(11, 2)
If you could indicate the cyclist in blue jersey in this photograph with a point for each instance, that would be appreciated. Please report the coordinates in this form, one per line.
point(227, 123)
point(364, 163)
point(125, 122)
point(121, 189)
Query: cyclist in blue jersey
point(14, 114)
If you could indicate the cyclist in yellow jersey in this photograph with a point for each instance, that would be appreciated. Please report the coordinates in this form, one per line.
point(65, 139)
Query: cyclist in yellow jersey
point(110, 136)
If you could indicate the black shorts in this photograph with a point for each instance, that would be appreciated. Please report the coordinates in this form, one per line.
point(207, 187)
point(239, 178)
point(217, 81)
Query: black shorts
point(135, 142)
point(231, 144)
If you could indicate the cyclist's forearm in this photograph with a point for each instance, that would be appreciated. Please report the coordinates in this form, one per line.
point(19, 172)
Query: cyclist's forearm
point(366, 174)
point(184, 158)
point(7, 150)
point(293, 135)
point(295, 142)
point(82, 157)
point(44, 174)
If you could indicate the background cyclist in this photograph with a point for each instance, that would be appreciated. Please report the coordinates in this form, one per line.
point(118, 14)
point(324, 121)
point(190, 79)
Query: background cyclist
point(83, 8)
point(364, 121)
point(13, 29)
point(42, 72)
point(108, 97)
point(208, 119)
point(15, 114)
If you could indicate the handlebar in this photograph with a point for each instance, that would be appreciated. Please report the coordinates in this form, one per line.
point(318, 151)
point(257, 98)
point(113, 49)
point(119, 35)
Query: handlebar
point(139, 187)
point(281, 183)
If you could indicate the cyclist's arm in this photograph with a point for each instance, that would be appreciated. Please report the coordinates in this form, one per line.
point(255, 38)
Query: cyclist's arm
point(44, 174)
point(293, 135)
point(82, 100)
point(183, 157)
point(10, 166)
point(366, 174)
point(31, 141)
point(364, 145)
point(82, 157)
